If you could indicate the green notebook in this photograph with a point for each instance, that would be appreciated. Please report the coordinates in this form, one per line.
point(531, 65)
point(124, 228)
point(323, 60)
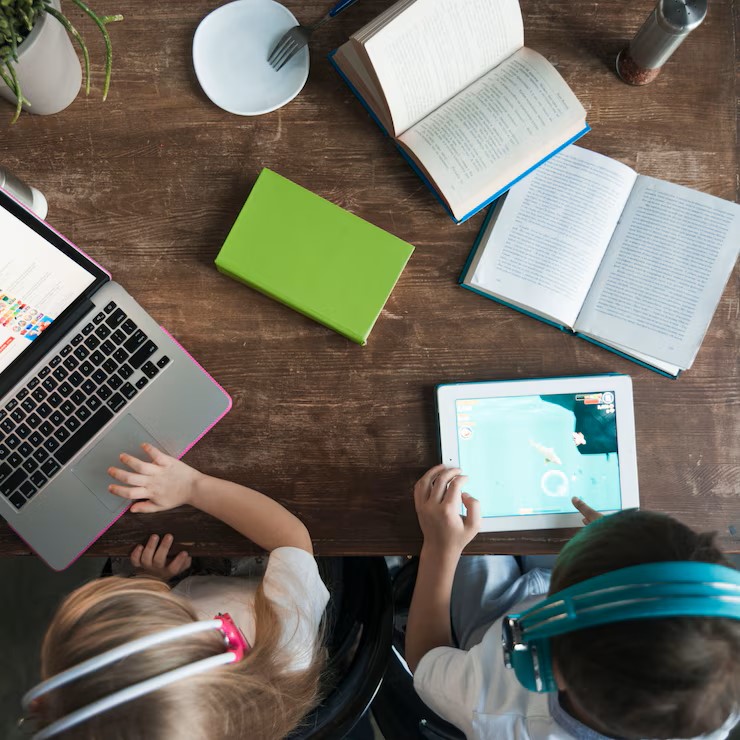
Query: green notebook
point(313, 256)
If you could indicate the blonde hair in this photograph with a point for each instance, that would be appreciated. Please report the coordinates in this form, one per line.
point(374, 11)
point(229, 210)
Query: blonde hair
point(259, 698)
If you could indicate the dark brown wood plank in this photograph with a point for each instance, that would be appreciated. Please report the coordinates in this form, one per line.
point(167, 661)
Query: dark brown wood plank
point(150, 182)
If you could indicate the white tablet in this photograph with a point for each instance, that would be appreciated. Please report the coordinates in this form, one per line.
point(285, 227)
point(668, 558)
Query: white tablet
point(528, 446)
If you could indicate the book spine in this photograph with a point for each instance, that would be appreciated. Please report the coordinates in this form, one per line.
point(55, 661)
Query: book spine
point(476, 244)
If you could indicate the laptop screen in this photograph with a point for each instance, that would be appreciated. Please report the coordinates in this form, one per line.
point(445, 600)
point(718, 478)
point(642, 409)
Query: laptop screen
point(38, 282)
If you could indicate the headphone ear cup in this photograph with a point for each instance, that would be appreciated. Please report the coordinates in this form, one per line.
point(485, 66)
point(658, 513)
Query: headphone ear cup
point(532, 664)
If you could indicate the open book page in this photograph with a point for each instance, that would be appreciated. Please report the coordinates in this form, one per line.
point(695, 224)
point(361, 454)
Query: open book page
point(435, 48)
point(547, 241)
point(495, 130)
point(664, 271)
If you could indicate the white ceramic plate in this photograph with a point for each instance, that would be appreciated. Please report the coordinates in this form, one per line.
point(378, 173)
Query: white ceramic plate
point(230, 51)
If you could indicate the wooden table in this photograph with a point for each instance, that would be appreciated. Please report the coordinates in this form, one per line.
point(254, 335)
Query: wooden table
point(150, 182)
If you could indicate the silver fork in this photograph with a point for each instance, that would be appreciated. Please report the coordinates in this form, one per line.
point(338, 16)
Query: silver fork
point(294, 39)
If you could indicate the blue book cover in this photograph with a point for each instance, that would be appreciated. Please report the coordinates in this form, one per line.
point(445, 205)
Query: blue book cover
point(432, 187)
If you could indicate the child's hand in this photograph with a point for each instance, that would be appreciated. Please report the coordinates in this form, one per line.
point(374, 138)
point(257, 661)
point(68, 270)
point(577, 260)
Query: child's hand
point(152, 560)
point(165, 482)
point(437, 497)
point(589, 514)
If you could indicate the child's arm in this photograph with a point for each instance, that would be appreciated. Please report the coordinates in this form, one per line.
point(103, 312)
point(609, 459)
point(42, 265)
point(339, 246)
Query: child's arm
point(165, 483)
point(438, 496)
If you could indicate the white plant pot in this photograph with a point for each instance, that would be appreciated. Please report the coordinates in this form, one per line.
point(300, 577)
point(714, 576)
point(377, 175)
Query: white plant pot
point(47, 68)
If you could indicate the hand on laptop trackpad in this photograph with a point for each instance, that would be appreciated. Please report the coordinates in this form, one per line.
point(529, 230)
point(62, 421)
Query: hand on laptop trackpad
point(92, 470)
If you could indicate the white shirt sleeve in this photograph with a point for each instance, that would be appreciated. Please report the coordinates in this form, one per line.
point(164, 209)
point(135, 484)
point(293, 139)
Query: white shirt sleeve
point(293, 584)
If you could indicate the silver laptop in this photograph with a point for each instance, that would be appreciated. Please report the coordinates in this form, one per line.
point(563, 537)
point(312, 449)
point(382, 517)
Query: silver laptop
point(85, 374)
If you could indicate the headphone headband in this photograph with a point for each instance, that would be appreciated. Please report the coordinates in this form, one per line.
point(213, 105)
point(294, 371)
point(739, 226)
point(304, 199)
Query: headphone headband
point(235, 642)
point(647, 591)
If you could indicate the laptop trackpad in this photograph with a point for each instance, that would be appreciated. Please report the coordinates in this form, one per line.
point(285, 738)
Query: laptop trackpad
point(92, 470)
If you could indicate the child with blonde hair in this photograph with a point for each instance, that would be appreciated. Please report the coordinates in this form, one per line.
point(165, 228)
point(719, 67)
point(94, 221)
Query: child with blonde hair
point(214, 657)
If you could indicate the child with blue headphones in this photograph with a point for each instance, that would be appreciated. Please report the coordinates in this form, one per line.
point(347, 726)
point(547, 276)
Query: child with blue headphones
point(638, 638)
point(214, 657)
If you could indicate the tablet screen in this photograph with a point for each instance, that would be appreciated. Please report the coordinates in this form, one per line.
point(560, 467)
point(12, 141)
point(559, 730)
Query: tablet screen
point(528, 455)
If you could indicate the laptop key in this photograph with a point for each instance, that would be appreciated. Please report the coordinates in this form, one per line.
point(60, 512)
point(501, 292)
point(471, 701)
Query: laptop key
point(110, 366)
point(33, 383)
point(54, 362)
point(18, 415)
point(73, 423)
point(62, 433)
point(115, 382)
point(89, 429)
point(120, 355)
point(88, 387)
point(27, 489)
point(25, 449)
point(11, 404)
point(54, 400)
point(5, 471)
point(128, 326)
point(44, 372)
point(66, 408)
point(49, 385)
point(105, 392)
point(71, 363)
point(28, 405)
point(149, 369)
point(128, 390)
point(87, 368)
point(38, 479)
point(12, 441)
point(116, 318)
point(65, 389)
point(99, 376)
point(92, 342)
point(110, 307)
point(40, 454)
point(14, 460)
point(83, 413)
point(60, 373)
point(46, 429)
point(163, 361)
point(143, 354)
point(102, 331)
point(3, 452)
point(30, 465)
point(116, 402)
point(125, 371)
point(22, 431)
point(35, 439)
point(12, 482)
point(22, 393)
point(43, 410)
point(107, 347)
point(51, 444)
point(77, 339)
point(57, 417)
point(66, 350)
point(3, 414)
point(50, 467)
point(98, 318)
point(7, 425)
point(81, 352)
point(135, 341)
point(17, 499)
point(88, 328)
point(97, 358)
point(76, 378)
point(77, 397)
point(93, 403)
point(118, 336)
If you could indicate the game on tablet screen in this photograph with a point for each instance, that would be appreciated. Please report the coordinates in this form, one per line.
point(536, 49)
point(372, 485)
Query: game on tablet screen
point(530, 454)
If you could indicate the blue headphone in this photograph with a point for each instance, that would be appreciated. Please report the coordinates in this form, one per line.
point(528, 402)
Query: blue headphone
point(648, 591)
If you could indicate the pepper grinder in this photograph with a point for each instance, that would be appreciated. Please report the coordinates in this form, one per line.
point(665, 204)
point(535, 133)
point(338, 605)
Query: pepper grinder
point(27, 195)
point(660, 35)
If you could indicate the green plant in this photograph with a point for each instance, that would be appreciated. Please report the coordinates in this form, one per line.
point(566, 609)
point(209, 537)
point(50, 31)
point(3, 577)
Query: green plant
point(17, 18)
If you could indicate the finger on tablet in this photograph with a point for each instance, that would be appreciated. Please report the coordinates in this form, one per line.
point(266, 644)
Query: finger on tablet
point(472, 513)
point(442, 481)
point(454, 493)
point(589, 514)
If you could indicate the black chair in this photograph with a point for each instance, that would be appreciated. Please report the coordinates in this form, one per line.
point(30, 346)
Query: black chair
point(397, 709)
point(359, 638)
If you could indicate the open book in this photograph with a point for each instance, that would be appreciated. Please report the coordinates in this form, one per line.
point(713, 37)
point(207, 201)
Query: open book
point(467, 104)
point(629, 262)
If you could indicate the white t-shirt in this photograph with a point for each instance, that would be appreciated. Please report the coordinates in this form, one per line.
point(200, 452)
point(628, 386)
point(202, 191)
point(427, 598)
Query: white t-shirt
point(474, 691)
point(293, 585)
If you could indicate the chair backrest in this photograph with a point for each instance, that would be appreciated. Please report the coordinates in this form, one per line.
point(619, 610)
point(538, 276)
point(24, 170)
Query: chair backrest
point(359, 638)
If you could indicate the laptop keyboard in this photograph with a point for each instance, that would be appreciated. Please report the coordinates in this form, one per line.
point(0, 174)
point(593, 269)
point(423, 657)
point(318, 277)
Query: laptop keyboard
point(67, 402)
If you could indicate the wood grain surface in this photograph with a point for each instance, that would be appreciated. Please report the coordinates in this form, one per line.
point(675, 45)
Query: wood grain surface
point(150, 182)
